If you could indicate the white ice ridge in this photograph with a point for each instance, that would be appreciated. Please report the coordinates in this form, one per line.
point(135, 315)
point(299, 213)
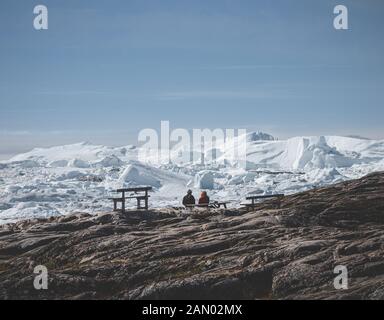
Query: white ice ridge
point(80, 177)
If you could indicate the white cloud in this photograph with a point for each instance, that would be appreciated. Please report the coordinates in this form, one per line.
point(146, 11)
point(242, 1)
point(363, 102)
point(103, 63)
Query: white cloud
point(224, 94)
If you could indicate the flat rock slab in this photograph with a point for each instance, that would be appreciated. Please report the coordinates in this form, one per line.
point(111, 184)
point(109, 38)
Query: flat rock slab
point(286, 253)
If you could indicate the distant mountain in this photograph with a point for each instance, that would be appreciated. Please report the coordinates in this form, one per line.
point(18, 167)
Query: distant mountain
point(259, 136)
point(303, 153)
point(357, 137)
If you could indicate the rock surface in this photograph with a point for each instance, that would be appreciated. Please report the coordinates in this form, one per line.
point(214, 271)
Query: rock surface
point(285, 253)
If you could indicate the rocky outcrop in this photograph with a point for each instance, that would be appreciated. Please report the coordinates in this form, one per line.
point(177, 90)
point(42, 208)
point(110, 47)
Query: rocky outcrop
point(285, 253)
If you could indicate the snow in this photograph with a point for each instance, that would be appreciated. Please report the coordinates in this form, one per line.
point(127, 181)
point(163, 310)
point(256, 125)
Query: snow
point(134, 175)
point(26, 164)
point(78, 163)
point(110, 161)
point(70, 175)
point(204, 180)
point(82, 176)
point(58, 164)
point(324, 176)
point(300, 153)
point(28, 210)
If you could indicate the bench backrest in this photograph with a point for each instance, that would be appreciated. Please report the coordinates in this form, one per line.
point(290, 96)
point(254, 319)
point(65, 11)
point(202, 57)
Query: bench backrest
point(265, 196)
point(138, 189)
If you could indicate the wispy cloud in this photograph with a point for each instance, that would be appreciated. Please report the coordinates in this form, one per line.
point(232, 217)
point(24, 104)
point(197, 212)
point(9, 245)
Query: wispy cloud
point(225, 94)
point(275, 66)
point(71, 92)
point(14, 133)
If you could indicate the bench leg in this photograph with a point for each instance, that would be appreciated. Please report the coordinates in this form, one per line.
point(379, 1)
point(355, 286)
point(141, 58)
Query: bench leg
point(146, 200)
point(123, 203)
point(114, 205)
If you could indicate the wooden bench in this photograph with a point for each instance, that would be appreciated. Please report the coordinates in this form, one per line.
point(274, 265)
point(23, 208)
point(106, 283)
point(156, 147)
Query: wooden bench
point(219, 204)
point(115, 202)
point(211, 205)
point(254, 198)
point(139, 198)
point(192, 206)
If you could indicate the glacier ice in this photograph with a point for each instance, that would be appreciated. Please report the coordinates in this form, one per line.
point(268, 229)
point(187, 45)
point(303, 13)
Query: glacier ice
point(81, 177)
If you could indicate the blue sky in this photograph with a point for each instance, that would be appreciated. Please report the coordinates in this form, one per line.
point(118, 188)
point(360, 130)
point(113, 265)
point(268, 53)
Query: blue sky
point(106, 69)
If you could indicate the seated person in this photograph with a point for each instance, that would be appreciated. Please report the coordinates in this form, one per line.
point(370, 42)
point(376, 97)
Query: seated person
point(204, 199)
point(189, 199)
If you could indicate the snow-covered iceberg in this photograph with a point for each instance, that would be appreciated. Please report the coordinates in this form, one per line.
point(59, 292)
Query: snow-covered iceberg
point(82, 176)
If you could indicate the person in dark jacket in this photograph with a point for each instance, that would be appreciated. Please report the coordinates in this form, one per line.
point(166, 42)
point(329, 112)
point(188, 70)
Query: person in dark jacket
point(189, 199)
point(204, 199)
